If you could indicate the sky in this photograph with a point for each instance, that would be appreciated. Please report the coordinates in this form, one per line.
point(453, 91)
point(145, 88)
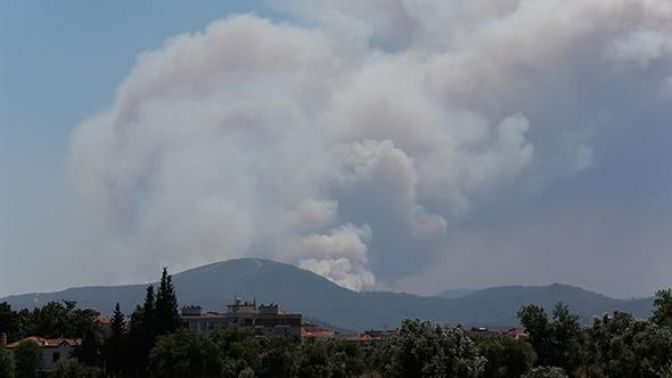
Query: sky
point(384, 144)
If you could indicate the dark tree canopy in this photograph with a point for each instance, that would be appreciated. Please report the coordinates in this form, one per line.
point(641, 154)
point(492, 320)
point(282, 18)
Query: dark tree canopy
point(662, 311)
point(167, 315)
point(115, 346)
point(423, 349)
point(506, 358)
point(28, 359)
point(6, 364)
point(184, 354)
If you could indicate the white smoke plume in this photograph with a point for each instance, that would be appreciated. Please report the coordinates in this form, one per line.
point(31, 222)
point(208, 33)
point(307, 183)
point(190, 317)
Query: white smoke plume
point(354, 137)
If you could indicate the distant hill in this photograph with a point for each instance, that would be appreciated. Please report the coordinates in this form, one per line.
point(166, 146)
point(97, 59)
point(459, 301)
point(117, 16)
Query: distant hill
point(455, 293)
point(213, 286)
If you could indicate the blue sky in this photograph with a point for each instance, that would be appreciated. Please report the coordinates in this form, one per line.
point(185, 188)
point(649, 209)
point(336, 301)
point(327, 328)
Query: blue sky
point(60, 62)
point(375, 152)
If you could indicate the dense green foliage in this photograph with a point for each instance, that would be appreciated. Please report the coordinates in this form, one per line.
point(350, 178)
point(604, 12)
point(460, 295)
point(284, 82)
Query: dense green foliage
point(184, 354)
point(662, 313)
point(423, 349)
point(557, 343)
point(6, 364)
point(506, 357)
point(615, 345)
point(72, 368)
point(167, 316)
point(55, 319)
point(128, 349)
point(27, 358)
point(546, 372)
point(233, 352)
point(116, 343)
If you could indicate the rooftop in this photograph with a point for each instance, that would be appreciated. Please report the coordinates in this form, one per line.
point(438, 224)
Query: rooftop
point(47, 343)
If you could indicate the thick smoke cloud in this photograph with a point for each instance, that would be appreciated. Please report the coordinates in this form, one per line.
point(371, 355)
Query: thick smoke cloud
point(350, 141)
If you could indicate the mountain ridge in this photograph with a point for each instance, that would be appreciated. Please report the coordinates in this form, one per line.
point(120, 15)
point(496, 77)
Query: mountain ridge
point(214, 285)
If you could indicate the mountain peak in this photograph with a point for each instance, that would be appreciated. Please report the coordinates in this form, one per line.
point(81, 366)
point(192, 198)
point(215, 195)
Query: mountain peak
point(213, 286)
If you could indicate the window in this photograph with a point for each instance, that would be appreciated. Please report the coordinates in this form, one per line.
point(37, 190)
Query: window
point(56, 357)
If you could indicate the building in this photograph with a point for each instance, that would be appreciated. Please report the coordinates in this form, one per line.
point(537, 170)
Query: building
point(368, 338)
point(311, 333)
point(262, 320)
point(53, 350)
point(511, 333)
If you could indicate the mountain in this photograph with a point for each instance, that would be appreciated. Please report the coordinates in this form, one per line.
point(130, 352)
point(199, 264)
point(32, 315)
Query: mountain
point(455, 293)
point(213, 286)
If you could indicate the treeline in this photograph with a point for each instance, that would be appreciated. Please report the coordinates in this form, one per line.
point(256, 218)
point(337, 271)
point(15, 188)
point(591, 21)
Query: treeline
point(153, 343)
point(614, 345)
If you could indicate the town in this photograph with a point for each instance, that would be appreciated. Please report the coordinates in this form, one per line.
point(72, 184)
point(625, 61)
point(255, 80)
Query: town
point(339, 188)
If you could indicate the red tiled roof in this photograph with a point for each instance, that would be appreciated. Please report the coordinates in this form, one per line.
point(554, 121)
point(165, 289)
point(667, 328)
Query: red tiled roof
point(363, 338)
point(316, 332)
point(47, 343)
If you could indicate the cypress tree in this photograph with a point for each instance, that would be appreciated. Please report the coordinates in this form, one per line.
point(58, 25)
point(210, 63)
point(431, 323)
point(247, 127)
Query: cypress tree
point(167, 316)
point(115, 344)
point(137, 335)
point(142, 332)
point(149, 315)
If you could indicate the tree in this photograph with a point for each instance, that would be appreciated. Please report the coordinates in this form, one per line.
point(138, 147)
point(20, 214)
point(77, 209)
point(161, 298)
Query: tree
point(567, 339)
point(149, 314)
point(142, 333)
point(546, 372)
point(8, 321)
point(662, 311)
point(28, 359)
point(6, 364)
point(313, 361)
point(115, 345)
point(423, 349)
point(506, 357)
point(535, 322)
point(276, 358)
point(71, 368)
point(183, 354)
point(346, 360)
point(611, 345)
point(653, 348)
point(138, 343)
point(248, 372)
point(236, 349)
point(167, 315)
point(557, 343)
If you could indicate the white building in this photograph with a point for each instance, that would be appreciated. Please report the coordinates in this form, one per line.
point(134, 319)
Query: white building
point(53, 350)
point(261, 321)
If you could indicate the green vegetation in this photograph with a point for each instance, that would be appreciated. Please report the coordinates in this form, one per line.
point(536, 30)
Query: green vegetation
point(72, 368)
point(28, 358)
point(423, 349)
point(6, 364)
point(505, 356)
point(184, 354)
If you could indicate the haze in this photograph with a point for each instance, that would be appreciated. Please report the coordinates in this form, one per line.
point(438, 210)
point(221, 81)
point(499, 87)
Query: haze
point(395, 145)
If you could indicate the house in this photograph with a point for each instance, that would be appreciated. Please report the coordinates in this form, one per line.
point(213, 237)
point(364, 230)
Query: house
point(368, 338)
point(313, 333)
point(262, 320)
point(53, 350)
point(511, 333)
